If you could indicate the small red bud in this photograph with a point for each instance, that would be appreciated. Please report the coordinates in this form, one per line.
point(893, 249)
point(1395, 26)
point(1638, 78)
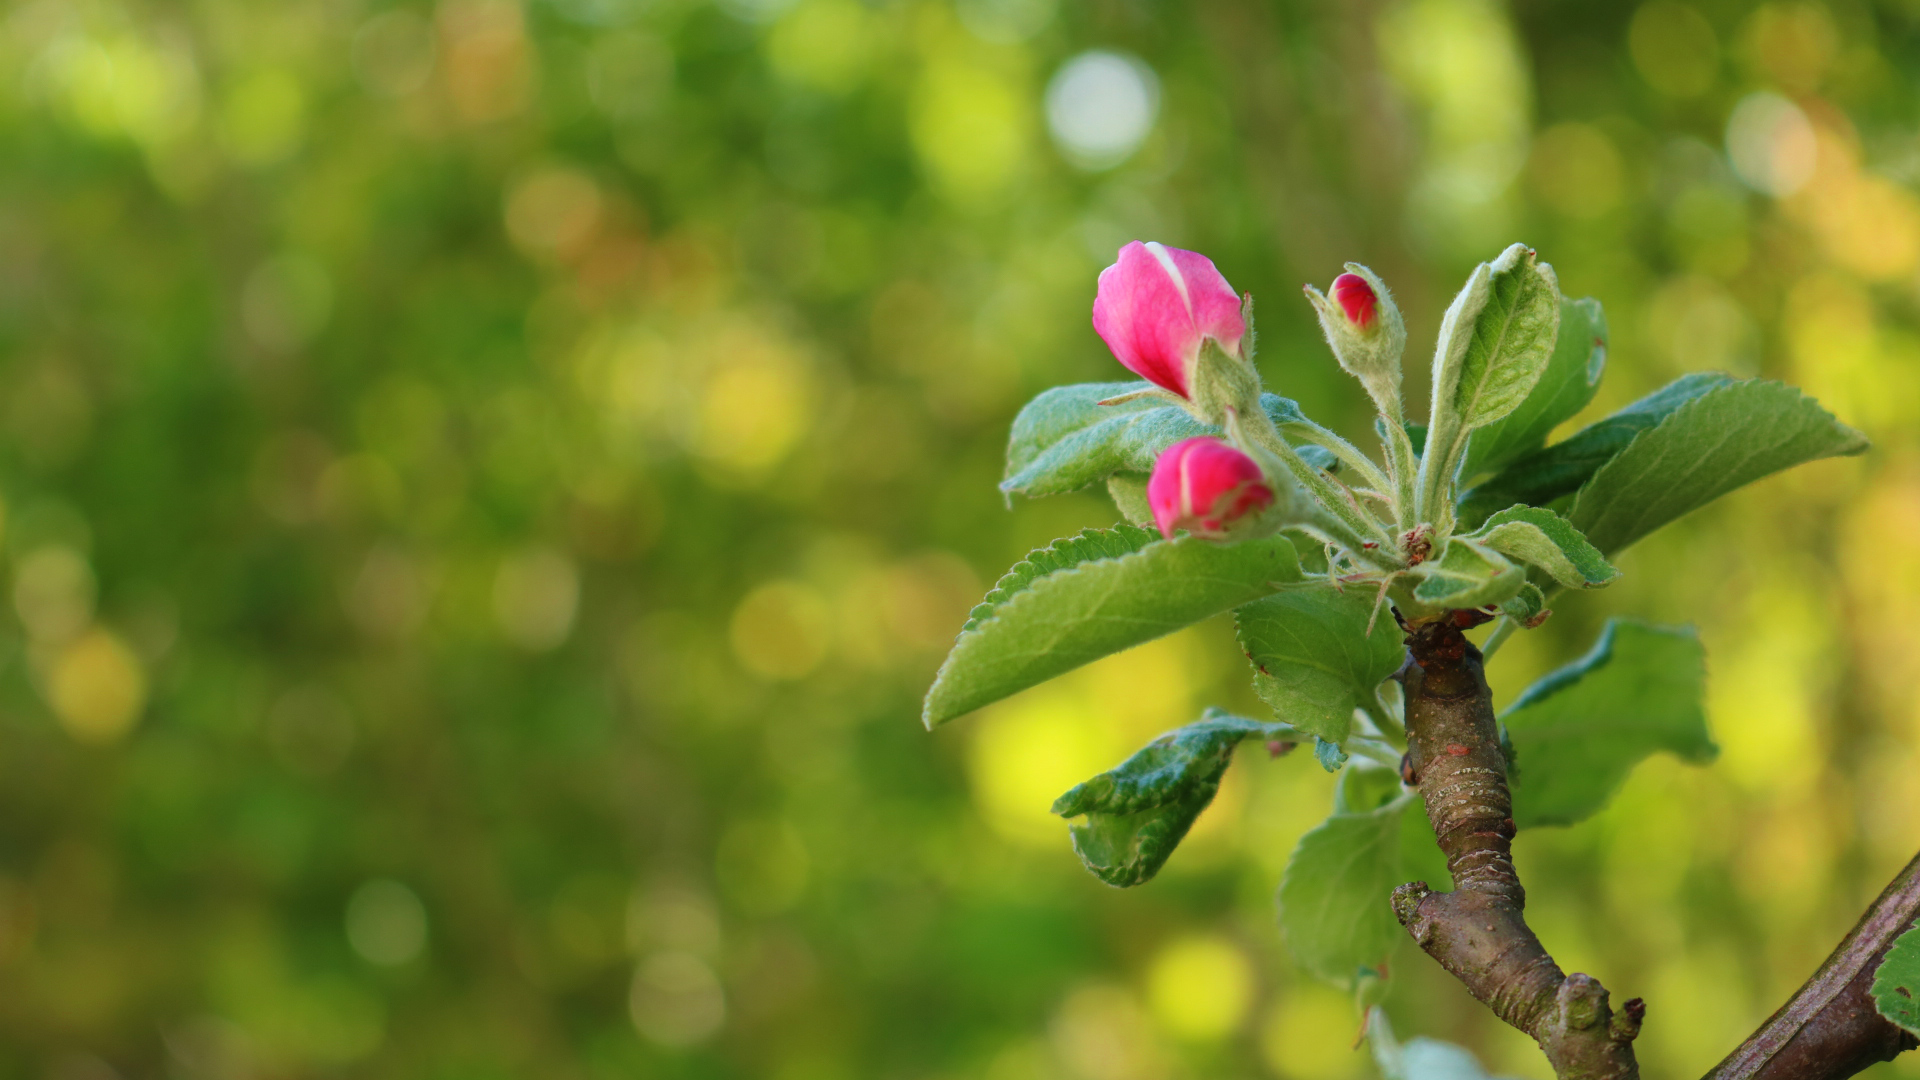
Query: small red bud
point(1356, 298)
point(1204, 486)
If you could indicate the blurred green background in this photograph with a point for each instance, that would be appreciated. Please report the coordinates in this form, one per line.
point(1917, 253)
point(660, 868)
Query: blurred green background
point(486, 485)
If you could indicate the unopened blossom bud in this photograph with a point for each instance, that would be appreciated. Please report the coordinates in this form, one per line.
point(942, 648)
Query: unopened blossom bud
point(1356, 298)
point(1157, 306)
point(1206, 487)
point(1365, 331)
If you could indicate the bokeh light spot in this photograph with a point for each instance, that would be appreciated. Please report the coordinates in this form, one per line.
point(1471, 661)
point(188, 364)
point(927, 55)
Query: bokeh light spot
point(1308, 1035)
point(970, 125)
point(263, 117)
point(762, 866)
point(393, 53)
point(97, 687)
point(286, 301)
point(1199, 987)
point(553, 212)
point(824, 44)
point(1577, 170)
point(1792, 44)
point(780, 630)
point(629, 73)
point(1005, 22)
point(1102, 1033)
point(535, 595)
point(53, 593)
point(386, 923)
point(1101, 106)
point(1674, 48)
point(676, 1000)
point(1771, 144)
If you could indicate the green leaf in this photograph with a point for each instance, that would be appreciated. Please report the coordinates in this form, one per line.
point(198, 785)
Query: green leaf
point(1560, 469)
point(1103, 591)
point(1416, 433)
point(1335, 896)
point(1721, 440)
point(1513, 338)
point(1065, 439)
point(1543, 538)
point(1896, 982)
point(1313, 659)
point(1579, 730)
point(1420, 1058)
point(1526, 605)
point(1467, 575)
point(1062, 554)
point(1432, 1059)
point(1364, 788)
point(1494, 343)
point(1138, 812)
point(1571, 378)
point(1129, 494)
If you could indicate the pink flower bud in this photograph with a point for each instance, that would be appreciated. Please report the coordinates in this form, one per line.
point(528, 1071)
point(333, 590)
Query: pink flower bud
point(1204, 486)
point(1356, 298)
point(1156, 305)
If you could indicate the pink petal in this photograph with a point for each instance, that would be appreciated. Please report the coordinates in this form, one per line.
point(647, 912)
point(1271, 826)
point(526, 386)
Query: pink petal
point(1204, 485)
point(1214, 304)
point(1356, 298)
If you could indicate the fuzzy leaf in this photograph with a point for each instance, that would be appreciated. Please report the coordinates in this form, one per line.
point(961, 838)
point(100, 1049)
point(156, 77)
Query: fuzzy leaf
point(1065, 439)
point(1335, 897)
point(1313, 659)
point(1719, 441)
point(1129, 494)
point(1560, 469)
point(1467, 575)
point(1365, 788)
point(1060, 555)
point(1544, 539)
point(1330, 755)
point(1513, 338)
point(1064, 607)
point(1494, 343)
point(1526, 605)
point(1138, 812)
point(1571, 378)
point(1896, 983)
point(1578, 731)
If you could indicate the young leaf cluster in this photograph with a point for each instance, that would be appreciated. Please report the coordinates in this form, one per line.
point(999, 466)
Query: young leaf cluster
point(1472, 515)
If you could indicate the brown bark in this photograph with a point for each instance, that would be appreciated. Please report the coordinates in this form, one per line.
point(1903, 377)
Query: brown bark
point(1478, 932)
point(1829, 1029)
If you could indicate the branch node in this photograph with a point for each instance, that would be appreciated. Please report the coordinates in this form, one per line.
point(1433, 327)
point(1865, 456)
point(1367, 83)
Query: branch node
point(1583, 1001)
point(1406, 908)
point(1625, 1025)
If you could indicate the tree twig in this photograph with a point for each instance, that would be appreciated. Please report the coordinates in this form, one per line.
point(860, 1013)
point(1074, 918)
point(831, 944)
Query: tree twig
point(1477, 931)
point(1829, 1028)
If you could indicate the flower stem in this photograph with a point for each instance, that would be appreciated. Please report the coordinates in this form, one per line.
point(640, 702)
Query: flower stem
point(1355, 527)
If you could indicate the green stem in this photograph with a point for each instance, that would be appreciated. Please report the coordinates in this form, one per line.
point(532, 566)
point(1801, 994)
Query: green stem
point(1349, 454)
point(1404, 465)
point(1374, 750)
point(1383, 718)
point(1501, 632)
point(1256, 429)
